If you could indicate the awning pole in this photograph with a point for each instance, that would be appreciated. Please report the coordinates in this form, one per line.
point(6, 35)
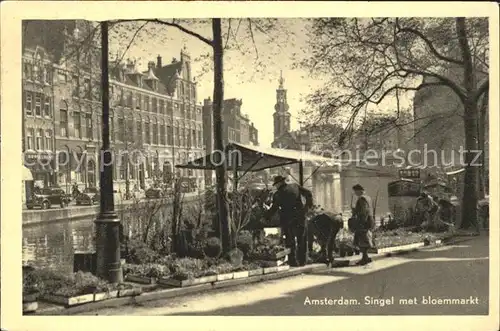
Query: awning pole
point(301, 173)
point(251, 167)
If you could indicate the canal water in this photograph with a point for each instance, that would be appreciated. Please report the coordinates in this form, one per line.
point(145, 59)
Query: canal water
point(54, 244)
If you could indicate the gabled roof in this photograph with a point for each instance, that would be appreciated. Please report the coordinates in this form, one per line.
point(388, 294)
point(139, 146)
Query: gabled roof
point(167, 73)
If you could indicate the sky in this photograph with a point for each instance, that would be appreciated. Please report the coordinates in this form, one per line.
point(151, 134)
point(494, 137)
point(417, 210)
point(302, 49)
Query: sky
point(252, 64)
point(257, 90)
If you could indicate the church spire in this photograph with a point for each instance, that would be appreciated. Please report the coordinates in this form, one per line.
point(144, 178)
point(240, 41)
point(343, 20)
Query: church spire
point(281, 81)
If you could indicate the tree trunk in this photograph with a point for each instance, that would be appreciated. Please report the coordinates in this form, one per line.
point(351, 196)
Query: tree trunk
point(469, 199)
point(220, 172)
point(482, 138)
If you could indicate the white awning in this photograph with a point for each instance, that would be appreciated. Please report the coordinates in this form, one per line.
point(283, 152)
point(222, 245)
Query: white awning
point(27, 175)
point(256, 158)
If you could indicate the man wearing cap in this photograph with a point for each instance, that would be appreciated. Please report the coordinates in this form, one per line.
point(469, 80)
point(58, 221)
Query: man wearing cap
point(292, 213)
point(363, 223)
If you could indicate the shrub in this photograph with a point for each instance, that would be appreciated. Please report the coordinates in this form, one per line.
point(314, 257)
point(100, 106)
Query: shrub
point(245, 242)
point(140, 253)
point(212, 247)
point(235, 257)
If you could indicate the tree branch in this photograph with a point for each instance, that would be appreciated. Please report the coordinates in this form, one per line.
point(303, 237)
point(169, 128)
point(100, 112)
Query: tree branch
point(429, 44)
point(171, 24)
point(130, 43)
point(481, 90)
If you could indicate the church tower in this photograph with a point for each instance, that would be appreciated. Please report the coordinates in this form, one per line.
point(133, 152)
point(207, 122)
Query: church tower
point(281, 114)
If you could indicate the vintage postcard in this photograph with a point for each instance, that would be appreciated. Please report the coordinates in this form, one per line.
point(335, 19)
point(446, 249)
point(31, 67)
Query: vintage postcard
point(306, 163)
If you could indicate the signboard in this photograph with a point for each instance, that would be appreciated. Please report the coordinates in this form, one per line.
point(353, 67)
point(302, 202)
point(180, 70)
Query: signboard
point(409, 173)
point(403, 188)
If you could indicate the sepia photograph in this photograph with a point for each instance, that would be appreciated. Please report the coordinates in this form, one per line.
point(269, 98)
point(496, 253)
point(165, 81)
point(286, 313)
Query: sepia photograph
point(325, 165)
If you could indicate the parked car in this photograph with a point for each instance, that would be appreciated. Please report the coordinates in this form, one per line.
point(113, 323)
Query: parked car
point(89, 196)
point(46, 197)
point(154, 193)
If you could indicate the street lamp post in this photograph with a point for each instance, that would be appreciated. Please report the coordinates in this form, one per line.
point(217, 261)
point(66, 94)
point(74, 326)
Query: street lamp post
point(107, 223)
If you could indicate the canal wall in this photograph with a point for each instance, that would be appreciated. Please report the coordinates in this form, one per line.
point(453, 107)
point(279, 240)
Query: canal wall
point(71, 213)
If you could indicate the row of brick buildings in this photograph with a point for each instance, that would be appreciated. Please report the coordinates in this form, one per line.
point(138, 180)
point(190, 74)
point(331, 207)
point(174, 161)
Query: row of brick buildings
point(155, 119)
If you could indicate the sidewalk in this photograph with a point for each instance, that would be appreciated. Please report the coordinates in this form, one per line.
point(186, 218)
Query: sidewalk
point(164, 293)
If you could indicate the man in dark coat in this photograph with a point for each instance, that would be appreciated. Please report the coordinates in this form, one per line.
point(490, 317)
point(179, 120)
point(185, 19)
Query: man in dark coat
point(363, 223)
point(292, 212)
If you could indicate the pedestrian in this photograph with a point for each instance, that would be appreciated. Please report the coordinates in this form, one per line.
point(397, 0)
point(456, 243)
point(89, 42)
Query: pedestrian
point(292, 213)
point(363, 223)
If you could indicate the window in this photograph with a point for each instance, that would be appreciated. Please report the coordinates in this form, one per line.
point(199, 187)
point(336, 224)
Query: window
point(77, 123)
point(162, 106)
point(147, 131)
point(188, 134)
point(38, 141)
point(76, 86)
point(170, 135)
point(123, 166)
point(169, 108)
point(183, 114)
point(63, 122)
point(130, 128)
point(130, 101)
point(121, 129)
point(155, 132)
point(111, 125)
point(99, 132)
point(87, 89)
point(62, 77)
point(29, 103)
point(200, 142)
point(28, 71)
point(193, 133)
point(29, 139)
point(138, 101)
point(139, 130)
point(96, 91)
point(154, 103)
point(146, 103)
point(176, 138)
point(48, 74)
point(182, 137)
point(162, 134)
point(38, 104)
point(48, 140)
point(46, 107)
point(36, 72)
point(88, 124)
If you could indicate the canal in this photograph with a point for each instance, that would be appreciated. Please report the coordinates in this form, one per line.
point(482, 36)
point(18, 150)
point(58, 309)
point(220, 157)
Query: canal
point(53, 244)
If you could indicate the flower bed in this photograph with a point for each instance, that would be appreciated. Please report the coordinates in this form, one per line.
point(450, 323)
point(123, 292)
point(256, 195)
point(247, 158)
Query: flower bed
point(67, 289)
point(402, 237)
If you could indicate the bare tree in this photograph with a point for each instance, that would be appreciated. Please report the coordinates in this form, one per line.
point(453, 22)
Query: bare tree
point(371, 60)
point(219, 43)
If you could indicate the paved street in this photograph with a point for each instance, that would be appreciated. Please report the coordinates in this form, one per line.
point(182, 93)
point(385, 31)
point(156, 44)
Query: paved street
point(449, 272)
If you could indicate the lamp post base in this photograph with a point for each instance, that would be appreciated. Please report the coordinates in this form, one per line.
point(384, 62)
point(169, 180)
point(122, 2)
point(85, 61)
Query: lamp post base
point(108, 248)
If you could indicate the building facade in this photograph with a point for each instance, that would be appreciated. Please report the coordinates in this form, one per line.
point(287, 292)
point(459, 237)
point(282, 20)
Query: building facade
point(155, 122)
point(236, 128)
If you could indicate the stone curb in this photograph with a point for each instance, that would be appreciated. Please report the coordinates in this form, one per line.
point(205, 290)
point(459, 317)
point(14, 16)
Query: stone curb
point(440, 242)
point(175, 292)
